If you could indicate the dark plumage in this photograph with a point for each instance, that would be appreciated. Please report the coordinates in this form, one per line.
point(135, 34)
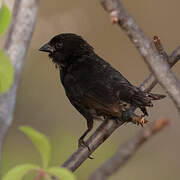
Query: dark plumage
point(93, 86)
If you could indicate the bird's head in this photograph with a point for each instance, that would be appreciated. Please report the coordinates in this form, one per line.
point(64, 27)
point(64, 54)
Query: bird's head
point(64, 48)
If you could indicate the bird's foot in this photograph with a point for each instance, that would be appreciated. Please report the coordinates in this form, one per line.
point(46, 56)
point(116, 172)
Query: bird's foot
point(82, 143)
point(135, 119)
point(138, 120)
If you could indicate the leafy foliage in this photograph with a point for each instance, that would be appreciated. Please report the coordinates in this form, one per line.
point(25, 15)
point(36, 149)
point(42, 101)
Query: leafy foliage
point(42, 143)
point(6, 68)
point(20, 171)
point(5, 18)
point(61, 173)
point(6, 72)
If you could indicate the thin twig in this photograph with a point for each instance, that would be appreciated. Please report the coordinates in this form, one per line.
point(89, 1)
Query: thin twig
point(108, 127)
point(127, 150)
point(160, 48)
point(156, 63)
point(174, 57)
point(16, 45)
point(172, 60)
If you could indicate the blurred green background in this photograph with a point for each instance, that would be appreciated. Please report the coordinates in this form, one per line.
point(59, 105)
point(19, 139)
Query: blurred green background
point(42, 104)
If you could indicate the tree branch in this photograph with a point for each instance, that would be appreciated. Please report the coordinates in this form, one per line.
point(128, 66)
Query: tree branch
point(160, 48)
point(172, 60)
point(156, 63)
point(106, 128)
point(16, 45)
point(99, 136)
point(127, 150)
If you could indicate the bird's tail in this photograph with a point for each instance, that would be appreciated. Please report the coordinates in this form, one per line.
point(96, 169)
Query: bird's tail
point(145, 98)
point(152, 96)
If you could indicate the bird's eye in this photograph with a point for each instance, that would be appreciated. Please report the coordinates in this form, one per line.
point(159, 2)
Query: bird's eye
point(58, 45)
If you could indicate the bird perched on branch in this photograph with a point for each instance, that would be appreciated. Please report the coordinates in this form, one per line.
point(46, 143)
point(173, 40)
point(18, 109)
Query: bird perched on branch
point(93, 86)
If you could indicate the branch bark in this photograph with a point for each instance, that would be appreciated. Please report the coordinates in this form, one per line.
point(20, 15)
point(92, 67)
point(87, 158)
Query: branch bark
point(16, 45)
point(127, 150)
point(99, 136)
point(156, 63)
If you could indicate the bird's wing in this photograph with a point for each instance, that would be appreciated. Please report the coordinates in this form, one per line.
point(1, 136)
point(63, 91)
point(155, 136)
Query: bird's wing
point(103, 103)
point(110, 87)
point(127, 92)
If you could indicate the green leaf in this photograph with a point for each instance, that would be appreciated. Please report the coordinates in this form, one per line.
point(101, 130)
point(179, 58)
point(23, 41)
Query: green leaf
point(5, 18)
point(61, 173)
point(6, 72)
point(20, 171)
point(41, 142)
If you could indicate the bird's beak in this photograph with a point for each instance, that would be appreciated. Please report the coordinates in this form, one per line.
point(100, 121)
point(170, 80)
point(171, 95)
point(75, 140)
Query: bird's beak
point(46, 48)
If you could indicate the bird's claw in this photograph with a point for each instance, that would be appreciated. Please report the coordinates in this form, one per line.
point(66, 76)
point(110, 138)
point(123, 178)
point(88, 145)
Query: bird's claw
point(131, 117)
point(139, 120)
point(82, 143)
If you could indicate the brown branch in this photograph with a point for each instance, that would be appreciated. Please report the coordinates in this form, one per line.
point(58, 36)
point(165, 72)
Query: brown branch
point(156, 63)
point(160, 48)
point(174, 57)
point(16, 45)
point(108, 127)
point(172, 60)
point(127, 150)
point(99, 136)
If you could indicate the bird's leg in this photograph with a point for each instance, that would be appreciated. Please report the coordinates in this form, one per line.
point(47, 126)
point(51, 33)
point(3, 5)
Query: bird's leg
point(81, 141)
point(144, 110)
point(127, 115)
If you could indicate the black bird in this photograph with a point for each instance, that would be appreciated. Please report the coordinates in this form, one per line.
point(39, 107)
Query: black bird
point(93, 86)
